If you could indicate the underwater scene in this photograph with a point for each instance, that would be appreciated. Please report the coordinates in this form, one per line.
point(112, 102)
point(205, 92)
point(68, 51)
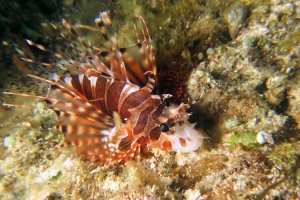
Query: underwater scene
point(149, 99)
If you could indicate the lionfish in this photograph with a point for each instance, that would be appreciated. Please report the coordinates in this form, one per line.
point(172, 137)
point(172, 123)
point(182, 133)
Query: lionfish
point(106, 104)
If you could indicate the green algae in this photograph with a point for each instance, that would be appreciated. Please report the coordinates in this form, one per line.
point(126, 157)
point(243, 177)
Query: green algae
point(247, 139)
point(57, 176)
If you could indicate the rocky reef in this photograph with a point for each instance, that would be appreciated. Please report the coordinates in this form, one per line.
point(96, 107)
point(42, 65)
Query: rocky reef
point(240, 57)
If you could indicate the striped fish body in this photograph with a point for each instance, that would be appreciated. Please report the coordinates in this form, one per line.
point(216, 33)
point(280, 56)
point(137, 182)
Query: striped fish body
point(106, 106)
point(75, 99)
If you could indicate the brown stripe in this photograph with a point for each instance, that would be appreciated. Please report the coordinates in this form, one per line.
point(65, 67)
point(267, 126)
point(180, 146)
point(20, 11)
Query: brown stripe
point(158, 111)
point(155, 133)
point(64, 129)
point(76, 84)
point(125, 143)
point(87, 90)
point(142, 120)
point(182, 142)
point(131, 101)
point(100, 94)
point(57, 112)
point(167, 145)
point(113, 96)
point(142, 141)
point(171, 122)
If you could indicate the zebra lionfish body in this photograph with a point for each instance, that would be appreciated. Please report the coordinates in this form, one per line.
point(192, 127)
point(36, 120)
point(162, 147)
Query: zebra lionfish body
point(106, 106)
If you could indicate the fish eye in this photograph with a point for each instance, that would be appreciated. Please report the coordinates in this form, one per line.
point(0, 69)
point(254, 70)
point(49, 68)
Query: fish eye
point(164, 127)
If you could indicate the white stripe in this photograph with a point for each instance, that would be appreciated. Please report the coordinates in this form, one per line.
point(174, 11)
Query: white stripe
point(80, 77)
point(93, 81)
point(155, 97)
